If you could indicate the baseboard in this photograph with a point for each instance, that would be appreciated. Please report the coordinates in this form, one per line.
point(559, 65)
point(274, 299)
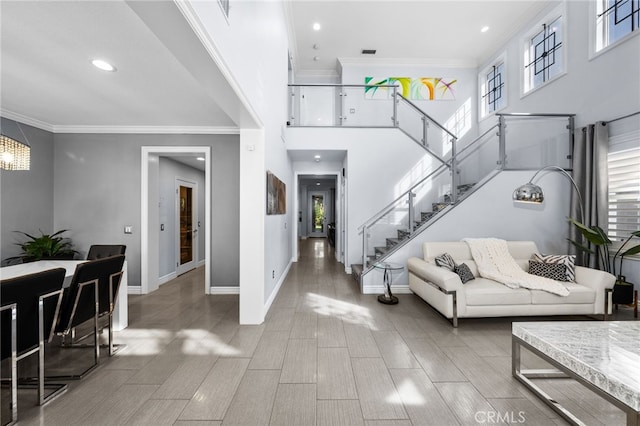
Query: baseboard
point(134, 289)
point(225, 290)
point(276, 290)
point(165, 279)
point(201, 263)
point(347, 270)
point(379, 289)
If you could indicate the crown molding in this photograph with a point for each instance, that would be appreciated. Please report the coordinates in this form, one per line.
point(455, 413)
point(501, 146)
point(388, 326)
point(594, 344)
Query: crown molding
point(154, 130)
point(29, 121)
point(398, 62)
point(317, 73)
point(157, 130)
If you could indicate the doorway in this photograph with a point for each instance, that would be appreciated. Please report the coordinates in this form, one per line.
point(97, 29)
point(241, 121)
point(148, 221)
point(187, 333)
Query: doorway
point(317, 214)
point(187, 231)
point(150, 223)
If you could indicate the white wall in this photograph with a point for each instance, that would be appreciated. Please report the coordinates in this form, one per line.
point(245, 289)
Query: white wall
point(381, 164)
point(490, 212)
point(252, 45)
point(601, 88)
point(171, 170)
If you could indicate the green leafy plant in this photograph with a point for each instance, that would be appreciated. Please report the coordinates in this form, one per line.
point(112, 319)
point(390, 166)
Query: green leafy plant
point(599, 239)
point(45, 246)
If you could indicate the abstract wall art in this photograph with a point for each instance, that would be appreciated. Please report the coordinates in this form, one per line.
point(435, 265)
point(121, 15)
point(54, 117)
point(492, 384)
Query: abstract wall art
point(420, 89)
point(276, 195)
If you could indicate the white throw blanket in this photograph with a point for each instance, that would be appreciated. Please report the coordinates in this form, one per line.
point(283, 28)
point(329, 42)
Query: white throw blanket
point(496, 263)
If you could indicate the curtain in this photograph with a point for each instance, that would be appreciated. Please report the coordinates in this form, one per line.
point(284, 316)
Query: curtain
point(590, 172)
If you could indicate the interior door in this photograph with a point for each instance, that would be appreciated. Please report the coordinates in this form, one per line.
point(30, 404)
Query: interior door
point(317, 208)
point(187, 235)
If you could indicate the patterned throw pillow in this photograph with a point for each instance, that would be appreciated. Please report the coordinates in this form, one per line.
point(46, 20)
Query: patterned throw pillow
point(446, 261)
point(568, 260)
point(555, 271)
point(464, 272)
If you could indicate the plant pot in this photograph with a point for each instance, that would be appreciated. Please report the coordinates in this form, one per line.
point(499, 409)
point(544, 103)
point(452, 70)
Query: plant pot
point(622, 292)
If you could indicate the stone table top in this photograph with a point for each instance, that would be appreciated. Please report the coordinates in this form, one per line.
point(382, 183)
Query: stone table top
point(604, 353)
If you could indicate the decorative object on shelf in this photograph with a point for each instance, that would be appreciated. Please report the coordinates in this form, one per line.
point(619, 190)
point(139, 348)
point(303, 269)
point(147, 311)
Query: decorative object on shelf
point(45, 247)
point(276, 195)
point(15, 151)
point(532, 193)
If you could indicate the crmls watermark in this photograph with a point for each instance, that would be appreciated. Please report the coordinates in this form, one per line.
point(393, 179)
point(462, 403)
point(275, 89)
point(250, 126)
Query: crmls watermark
point(492, 417)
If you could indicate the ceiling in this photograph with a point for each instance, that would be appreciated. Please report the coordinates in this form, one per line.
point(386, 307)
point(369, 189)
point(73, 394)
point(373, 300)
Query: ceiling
point(402, 32)
point(48, 80)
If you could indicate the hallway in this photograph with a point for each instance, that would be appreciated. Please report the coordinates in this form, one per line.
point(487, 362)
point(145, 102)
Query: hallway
point(326, 355)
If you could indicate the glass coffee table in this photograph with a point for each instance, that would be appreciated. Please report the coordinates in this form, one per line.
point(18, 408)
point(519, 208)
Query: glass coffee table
point(388, 268)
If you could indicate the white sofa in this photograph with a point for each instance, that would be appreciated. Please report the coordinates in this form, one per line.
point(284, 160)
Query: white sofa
point(481, 297)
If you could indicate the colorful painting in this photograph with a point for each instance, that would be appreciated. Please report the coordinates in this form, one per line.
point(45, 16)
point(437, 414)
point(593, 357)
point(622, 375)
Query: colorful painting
point(420, 89)
point(375, 92)
point(276, 195)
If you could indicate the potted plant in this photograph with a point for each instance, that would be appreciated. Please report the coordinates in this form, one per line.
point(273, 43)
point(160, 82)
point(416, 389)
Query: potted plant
point(45, 246)
point(622, 290)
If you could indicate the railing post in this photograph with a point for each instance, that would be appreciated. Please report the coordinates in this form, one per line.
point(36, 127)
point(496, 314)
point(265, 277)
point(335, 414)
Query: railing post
point(425, 130)
point(454, 170)
point(395, 107)
point(364, 247)
point(571, 127)
point(502, 143)
point(412, 219)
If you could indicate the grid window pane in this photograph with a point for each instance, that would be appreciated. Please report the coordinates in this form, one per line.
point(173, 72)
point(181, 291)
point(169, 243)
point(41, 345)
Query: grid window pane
point(616, 19)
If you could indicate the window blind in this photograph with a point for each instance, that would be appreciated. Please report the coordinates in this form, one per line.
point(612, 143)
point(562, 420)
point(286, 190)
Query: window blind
point(624, 191)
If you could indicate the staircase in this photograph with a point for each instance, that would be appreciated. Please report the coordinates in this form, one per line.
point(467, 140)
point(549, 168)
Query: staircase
point(403, 235)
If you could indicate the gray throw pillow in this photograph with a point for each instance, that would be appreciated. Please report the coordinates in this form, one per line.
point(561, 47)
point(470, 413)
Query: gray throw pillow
point(464, 273)
point(446, 261)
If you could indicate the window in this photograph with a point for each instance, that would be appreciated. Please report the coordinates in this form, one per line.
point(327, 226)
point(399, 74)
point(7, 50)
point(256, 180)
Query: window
point(544, 53)
point(615, 19)
point(624, 186)
point(493, 95)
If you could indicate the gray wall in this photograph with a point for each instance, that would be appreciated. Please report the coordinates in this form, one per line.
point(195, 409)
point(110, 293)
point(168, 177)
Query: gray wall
point(26, 196)
point(97, 192)
point(171, 170)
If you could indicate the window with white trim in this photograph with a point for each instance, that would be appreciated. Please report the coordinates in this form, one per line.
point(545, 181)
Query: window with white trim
point(615, 19)
point(492, 84)
point(544, 50)
point(624, 185)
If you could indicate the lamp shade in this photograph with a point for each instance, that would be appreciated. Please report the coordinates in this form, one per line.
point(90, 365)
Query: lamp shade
point(528, 193)
point(15, 154)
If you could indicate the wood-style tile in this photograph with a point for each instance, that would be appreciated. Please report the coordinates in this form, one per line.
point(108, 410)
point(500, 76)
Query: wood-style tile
point(335, 375)
point(394, 350)
point(360, 341)
point(295, 404)
point(300, 362)
point(270, 352)
point(339, 413)
point(253, 401)
point(379, 398)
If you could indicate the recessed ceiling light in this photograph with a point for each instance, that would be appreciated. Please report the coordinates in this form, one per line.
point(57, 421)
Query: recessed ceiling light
point(317, 183)
point(316, 58)
point(200, 158)
point(316, 26)
point(316, 46)
point(317, 157)
point(103, 65)
point(484, 29)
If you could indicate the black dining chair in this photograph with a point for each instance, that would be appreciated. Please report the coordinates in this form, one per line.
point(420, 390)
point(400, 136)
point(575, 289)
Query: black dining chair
point(99, 251)
point(92, 291)
point(25, 329)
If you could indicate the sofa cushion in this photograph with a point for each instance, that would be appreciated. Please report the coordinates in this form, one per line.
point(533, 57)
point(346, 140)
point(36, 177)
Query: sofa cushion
point(577, 294)
point(482, 291)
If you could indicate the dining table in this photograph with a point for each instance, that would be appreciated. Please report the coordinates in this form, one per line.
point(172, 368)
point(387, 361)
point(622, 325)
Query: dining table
point(120, 312)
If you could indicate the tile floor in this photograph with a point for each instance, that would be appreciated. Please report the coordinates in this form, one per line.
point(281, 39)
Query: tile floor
point(326, 355)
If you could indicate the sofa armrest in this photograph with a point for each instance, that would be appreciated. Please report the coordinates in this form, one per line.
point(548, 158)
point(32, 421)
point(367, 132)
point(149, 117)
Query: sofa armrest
point(441, 277)
point(599, 281)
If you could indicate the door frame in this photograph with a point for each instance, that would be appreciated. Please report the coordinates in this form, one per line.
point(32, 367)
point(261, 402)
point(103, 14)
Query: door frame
point(341, 211)
point(149, 280)
point(194, 216)
point(325, 196)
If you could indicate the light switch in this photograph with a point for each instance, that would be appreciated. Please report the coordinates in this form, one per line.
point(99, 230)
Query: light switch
point(128, 229)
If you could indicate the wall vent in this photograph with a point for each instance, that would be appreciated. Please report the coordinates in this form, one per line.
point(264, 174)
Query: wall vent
point(368, 51)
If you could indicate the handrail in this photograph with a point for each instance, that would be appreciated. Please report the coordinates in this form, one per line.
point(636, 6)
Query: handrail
point(342, 85)
point(534, 114)
point(427, 115)
point(390, 206)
